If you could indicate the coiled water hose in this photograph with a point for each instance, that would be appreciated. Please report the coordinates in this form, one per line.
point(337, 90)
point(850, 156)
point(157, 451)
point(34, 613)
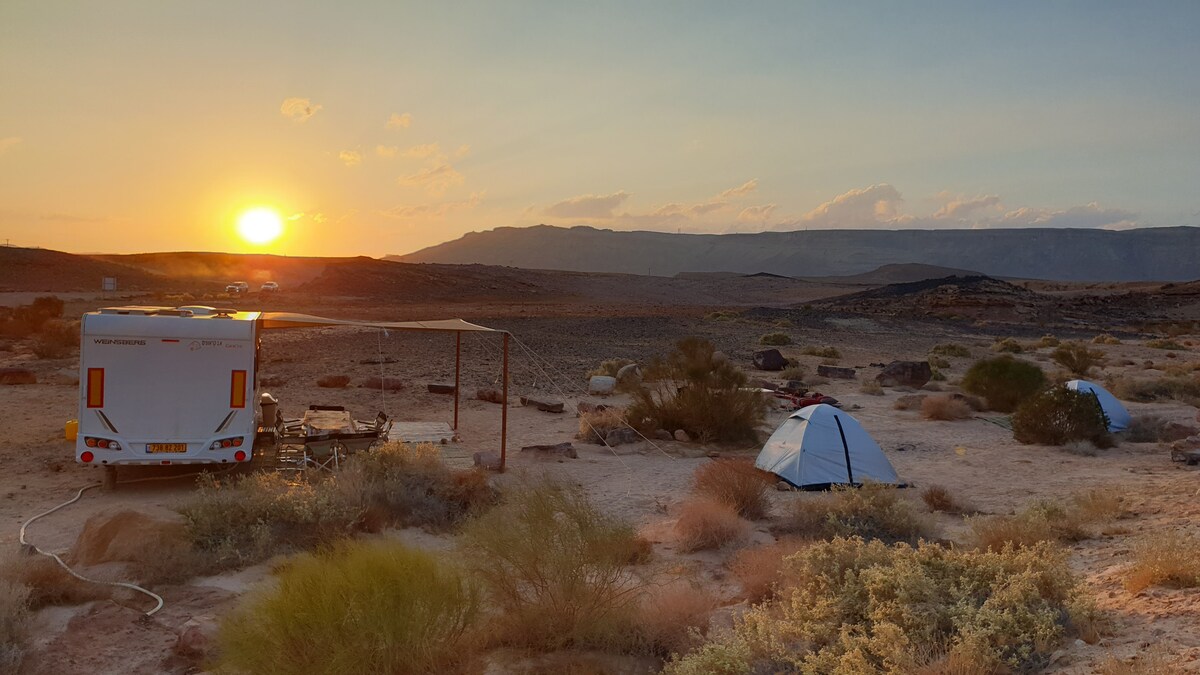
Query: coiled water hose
point(158, 601)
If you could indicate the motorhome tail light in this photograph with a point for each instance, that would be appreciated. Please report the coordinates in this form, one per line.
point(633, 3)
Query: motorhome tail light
point(86, 457)
point(240, 456)
point(90, 442)
point(95, 387)
point(237, 442)
point(225, 443)
point(102, 443)
point(237, 389)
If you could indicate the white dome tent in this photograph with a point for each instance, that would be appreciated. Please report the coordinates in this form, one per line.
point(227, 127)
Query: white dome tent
point(1118, 417)
point(819, 446)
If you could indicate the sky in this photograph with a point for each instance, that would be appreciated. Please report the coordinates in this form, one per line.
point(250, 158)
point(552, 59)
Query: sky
point(384, 127)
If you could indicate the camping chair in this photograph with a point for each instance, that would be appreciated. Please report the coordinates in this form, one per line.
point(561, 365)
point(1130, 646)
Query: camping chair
point(380, 426)
point(322, 452)
point(363, 440)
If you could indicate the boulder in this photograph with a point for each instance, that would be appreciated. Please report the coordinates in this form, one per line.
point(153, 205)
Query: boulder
point(682, 436)
point(836, 372)
point(558, 449)
point(769, 359)
point(17, 376)
point(544, 406)
point(196, 638)
point(621, 436)
point(1174, 431)
point(719, 357)
point(629, 373)
point(663, 435)
point(585, 407)
point(602, 385)
point(384, 383)
point(125, 536)
point(793, 387)
point(490, 395)
point(762, 384)
point(489, 461)
point(440, 388)
point(905, 374)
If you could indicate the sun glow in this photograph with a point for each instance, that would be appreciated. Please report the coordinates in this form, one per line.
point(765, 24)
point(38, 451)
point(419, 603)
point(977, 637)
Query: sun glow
point(260, 225)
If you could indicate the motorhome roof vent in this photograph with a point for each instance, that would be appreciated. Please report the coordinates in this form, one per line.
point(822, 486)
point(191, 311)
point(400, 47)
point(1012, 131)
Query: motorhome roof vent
point(224, 313)
point(197, 310)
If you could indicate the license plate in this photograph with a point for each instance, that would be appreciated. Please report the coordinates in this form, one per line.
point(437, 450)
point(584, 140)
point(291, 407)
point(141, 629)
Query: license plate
point(156, 448)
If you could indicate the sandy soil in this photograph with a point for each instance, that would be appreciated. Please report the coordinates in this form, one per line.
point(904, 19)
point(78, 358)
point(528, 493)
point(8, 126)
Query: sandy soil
point(975, 458)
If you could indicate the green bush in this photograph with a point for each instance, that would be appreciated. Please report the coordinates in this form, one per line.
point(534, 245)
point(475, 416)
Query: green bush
point(358, 608)
point(826, 352)
point(705, 397)
point(556, 568)
point(855, 606)
point(1058, 416)
point(950, 349)
point(1077, 358)
point(873, 511)
point(1003, 381)
point(775, 339)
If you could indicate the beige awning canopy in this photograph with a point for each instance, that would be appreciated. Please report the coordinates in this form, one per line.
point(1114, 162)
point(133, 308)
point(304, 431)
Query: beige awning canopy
point(293, 320)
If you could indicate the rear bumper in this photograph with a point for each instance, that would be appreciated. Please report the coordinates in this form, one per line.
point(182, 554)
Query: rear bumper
point(136, 453)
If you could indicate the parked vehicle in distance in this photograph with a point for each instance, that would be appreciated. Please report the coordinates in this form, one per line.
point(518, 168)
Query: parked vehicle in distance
point(270, 287)
point(238, 287)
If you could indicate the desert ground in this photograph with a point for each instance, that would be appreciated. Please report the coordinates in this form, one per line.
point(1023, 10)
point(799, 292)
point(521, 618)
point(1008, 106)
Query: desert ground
point(556, 342)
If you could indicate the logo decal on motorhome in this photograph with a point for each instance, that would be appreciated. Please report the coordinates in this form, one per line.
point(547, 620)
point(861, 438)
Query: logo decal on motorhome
point(115, 341)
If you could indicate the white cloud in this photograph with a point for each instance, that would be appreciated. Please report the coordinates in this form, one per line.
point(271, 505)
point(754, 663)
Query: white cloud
point(959, 207)
point(436, 211)
point(424, 151)
point(398, 121)
point(6, 143)
point(298, 109)
point(1088, 215)
point(871, 206)
point(757, 214)
point(588, 206)
point(741, 190)
point(350, 157)
point(387, 150)
point(435, 179)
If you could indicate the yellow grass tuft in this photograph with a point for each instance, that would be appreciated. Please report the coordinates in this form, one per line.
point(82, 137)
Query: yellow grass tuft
point(706, 523)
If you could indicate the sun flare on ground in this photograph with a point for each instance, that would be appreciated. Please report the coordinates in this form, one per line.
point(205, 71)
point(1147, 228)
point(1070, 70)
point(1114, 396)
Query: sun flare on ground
point(260, 225)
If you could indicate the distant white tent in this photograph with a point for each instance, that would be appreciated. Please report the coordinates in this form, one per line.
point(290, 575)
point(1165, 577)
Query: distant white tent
point(1118, 416)
point(819, 446)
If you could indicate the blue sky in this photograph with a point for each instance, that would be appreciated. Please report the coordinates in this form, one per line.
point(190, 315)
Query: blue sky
point(149, 126)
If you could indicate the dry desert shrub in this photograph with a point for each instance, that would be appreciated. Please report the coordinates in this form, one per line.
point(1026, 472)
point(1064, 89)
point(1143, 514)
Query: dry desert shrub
point(910, 401)
point(856, 606)
point(46, 583)
point(871, 387)
point(873, 511)
point(1003, 381)
point(610, 367)
point(1162, 343)
point(758, 569)
point(1048, 340)
point(57, 339)
point(1058, 416)
point(775, 339)
point(1185, 389)
point(1154, 661)
point(14, 623)
point(706, 523)
point(1165, 559)
point(938, 362)
point(1007, 346)
point(1105, 339)
point(793, 372)
point(1077, 358)
point(950, 349)
point(944, 408)
point(694, 390)
point(555, 568)
point(825, 352)
point(334, 381)
point(736, 483)
point(1045, 520)
point(939, 498)
point(1100, 504)
point(673, 618)
point(1148, 429)
point(594, 425)
point(358, 608)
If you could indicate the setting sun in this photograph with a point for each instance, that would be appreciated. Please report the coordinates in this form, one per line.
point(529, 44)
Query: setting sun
point(260, 225)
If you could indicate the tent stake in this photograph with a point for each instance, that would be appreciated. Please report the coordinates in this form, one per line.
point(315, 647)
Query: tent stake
point(504, 409)
point(457, 368)
point(845, 449)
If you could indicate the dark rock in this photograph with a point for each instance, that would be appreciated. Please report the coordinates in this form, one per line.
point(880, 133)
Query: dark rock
point(905, 374)
point(585, 407)
point(793, 387)
point(196, 638)
point(17, 376)
point(544, 406)
point(663, 435)
point(559, 449)
point(762, 384)
point(621, 436)
point(1174, 431)
point(440, 388)
point(836, 372)
point(489, 461)
point(769, 359)
point(490, 395)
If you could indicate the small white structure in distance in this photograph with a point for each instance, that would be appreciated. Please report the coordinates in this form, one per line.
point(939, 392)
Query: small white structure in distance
point(819, 446)
point(1118, 417)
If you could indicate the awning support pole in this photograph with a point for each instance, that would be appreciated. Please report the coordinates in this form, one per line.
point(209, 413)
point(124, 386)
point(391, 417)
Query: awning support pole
point(457, 369)
point(504, 408)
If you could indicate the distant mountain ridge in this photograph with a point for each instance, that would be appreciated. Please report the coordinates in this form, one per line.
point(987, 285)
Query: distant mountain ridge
point(1149, 254)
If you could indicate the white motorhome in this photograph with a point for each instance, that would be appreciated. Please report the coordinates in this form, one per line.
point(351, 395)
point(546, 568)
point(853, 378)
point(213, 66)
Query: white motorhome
point(163, 385)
